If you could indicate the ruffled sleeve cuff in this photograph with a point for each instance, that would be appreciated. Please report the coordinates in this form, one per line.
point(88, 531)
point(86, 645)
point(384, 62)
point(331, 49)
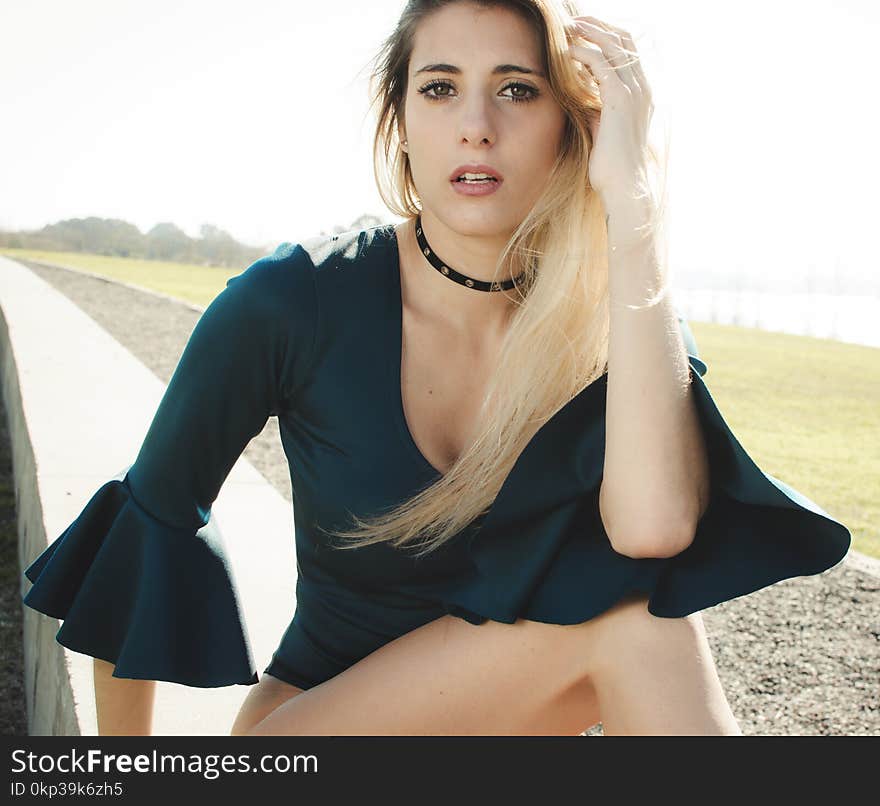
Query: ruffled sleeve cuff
point(542, 553)
point(155, 600)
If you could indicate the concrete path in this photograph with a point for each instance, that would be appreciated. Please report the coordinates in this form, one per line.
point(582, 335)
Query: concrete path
point(79, 406)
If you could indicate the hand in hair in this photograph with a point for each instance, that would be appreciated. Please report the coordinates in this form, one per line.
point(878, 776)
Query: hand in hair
point(618, 156)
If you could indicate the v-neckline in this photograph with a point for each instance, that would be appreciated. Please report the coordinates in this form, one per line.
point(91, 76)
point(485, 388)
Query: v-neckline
point(395, 353)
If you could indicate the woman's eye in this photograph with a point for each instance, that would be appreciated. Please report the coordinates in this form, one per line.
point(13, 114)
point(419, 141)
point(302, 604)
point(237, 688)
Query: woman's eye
point(530, 93)
point(434, 85)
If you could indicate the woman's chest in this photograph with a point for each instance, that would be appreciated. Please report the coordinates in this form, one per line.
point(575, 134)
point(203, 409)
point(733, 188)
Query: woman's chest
point(377, 425)
point(443, 380)
point(350, 455)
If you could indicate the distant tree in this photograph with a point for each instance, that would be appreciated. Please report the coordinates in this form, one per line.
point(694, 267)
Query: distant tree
point(10, 240)
point(100, 236)
point(167, 241)
point(219, 247)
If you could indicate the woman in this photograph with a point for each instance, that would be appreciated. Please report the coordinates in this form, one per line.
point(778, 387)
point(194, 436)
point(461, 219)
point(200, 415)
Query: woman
point(513, 492)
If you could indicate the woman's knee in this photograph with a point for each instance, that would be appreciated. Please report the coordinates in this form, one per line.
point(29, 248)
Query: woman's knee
point(628, 631)
point(263, 698)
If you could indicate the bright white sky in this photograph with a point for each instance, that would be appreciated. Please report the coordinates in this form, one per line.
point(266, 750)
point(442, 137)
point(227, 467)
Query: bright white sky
point(252, 116)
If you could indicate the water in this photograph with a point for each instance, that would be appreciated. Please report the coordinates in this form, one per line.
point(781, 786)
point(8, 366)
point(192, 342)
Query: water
point(853, 318)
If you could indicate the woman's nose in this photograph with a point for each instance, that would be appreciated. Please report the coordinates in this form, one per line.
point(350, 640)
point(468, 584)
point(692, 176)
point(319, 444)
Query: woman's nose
point(476, 123)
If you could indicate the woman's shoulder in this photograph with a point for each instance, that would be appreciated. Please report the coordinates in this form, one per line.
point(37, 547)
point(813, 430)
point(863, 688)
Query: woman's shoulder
point(342, 250)
point(329, 272)
point(315, 255)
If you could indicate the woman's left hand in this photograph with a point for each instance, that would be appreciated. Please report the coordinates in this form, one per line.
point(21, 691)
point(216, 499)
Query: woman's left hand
point(617, 160)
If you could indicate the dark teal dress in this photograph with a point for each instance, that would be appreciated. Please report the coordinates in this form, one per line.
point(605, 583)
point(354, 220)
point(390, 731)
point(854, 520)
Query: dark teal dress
point(312, 334)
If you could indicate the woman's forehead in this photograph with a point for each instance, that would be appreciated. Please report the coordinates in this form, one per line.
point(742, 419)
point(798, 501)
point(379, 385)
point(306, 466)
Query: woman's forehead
point(475, 38)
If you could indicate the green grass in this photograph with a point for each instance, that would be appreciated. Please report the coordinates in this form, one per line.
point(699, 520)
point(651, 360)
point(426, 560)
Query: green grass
point(197, 284)
point(805, 409)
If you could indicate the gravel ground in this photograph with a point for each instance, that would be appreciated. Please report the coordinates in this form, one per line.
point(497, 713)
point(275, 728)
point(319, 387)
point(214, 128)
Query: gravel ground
point(801, 657)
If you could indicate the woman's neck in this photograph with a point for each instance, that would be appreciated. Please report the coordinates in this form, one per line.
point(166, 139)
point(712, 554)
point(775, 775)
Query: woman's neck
point(431, 294)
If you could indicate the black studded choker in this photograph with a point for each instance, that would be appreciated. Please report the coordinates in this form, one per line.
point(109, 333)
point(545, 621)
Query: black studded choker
point(452, 274)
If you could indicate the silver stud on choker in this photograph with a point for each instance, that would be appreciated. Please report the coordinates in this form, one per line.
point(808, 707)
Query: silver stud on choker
point(457, 276)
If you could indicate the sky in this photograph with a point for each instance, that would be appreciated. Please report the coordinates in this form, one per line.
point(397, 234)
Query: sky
point(254, 117)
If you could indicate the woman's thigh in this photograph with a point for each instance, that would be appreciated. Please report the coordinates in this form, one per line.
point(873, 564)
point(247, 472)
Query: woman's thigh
point(451, 677)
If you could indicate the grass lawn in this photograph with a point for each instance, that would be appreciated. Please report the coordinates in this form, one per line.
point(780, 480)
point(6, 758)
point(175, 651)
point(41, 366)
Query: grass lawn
point(805, 409)
point(198, 284)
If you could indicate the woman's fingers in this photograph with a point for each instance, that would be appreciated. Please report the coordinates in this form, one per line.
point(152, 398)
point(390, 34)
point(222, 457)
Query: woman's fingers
point(630, 48)
point(620, 55)
point(593, 57)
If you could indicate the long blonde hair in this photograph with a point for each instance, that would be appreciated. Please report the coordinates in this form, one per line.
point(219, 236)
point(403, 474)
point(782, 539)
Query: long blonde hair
point(557, 340)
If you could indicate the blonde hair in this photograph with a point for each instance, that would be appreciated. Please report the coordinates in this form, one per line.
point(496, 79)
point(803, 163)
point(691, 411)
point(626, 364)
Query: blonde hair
point(557, 340)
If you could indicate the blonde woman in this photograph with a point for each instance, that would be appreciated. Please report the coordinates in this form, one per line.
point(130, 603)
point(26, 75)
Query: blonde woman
point(513, 492)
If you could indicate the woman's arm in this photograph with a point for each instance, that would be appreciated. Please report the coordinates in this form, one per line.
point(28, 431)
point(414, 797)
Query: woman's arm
point(655, 484)
point(141, 579)
point(125, 707)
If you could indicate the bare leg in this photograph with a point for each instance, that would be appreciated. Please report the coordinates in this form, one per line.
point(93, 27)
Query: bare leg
point(657, 676)
point(262, 699)
point(643, 674)
point(124, 706)
point(450, 677)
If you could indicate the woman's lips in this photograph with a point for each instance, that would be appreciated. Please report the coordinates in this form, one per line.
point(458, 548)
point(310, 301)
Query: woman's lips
point(483, 188)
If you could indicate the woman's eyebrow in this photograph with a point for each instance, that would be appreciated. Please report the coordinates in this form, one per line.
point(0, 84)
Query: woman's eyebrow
point(499, 69)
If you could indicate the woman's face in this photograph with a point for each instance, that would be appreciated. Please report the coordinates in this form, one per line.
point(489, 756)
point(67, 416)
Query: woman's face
point(459, 110)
